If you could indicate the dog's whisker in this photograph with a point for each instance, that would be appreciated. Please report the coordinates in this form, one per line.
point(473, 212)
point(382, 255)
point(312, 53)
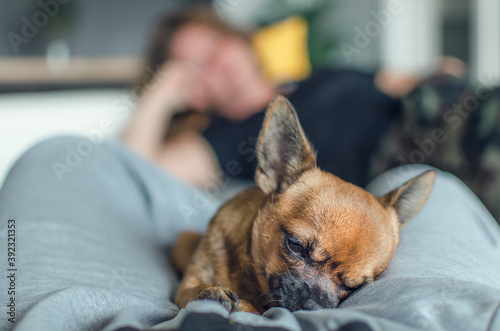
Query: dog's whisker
point(277, 269)
point(261, 255)
point(276, 272)
point(265, 265)
point(273, 300)
point(288, 270)
point(285, 281)
point(262, 265)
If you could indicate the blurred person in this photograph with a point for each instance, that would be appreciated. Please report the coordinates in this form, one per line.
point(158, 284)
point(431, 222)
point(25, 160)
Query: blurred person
point(361, 124)
point(206, 66)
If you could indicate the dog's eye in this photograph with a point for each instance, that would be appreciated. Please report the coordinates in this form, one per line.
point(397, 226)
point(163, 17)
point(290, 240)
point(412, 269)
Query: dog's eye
point(294, 246)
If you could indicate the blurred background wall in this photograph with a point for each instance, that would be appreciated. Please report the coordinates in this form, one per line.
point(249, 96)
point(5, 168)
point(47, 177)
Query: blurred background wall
point(91, 27)
point(120, 27)
point(409, 39)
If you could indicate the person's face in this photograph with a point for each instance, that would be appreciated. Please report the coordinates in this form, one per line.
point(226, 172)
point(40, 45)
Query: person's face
point(226, 63)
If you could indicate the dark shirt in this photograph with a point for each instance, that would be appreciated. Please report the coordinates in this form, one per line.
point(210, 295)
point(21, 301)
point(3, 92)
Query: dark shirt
point(342, 112)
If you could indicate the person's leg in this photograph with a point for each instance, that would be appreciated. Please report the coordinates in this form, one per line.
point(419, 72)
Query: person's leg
point(91, 227)
point(453, 231)
point(445, 274)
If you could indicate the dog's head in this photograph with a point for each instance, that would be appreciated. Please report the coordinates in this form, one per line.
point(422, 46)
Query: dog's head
point(318, 238)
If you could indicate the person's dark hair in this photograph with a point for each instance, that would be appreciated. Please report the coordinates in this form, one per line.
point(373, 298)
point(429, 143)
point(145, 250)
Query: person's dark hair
point(171, 23)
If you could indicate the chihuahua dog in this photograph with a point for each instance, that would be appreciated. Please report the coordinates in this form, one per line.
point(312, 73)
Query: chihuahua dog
point(302, 239)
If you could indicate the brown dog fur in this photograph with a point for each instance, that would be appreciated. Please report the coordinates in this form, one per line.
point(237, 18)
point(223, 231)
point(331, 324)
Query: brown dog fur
point(302, 238)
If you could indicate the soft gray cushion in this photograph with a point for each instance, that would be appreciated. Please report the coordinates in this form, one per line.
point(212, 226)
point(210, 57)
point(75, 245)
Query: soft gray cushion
point(91, 252)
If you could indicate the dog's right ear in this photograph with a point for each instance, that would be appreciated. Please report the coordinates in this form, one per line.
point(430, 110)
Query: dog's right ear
point(409, 198)
point(283, 151)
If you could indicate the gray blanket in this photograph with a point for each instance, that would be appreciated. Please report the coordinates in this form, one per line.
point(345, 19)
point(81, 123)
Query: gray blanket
point(92, 227)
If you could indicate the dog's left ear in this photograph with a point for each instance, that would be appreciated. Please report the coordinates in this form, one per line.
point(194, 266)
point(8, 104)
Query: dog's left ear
point(283, 152)
point(409, 198)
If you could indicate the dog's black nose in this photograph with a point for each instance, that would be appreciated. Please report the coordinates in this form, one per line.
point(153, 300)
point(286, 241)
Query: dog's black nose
point(292, 292)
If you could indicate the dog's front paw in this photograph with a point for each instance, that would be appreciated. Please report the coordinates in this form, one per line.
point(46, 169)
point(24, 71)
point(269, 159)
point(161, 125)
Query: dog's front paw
point(225, 296)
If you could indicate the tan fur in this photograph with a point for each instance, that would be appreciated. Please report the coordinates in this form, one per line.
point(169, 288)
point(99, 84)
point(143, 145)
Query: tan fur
point(183, 249)
point(350, 235)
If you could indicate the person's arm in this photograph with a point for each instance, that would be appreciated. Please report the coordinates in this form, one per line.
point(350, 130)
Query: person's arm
point(146, 129)
point(188, 156)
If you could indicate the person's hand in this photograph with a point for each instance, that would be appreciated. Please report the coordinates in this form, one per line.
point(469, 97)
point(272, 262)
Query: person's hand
point(176, 87)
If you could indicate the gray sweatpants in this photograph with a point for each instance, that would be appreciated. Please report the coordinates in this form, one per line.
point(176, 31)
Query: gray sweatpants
point(92, 225)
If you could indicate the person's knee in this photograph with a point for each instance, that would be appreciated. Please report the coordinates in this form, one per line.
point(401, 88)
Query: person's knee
point(57, 156)
point(48, 150)
point(66, 155)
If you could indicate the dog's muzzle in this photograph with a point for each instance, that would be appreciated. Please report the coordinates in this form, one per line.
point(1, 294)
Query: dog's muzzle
point(296, 293)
